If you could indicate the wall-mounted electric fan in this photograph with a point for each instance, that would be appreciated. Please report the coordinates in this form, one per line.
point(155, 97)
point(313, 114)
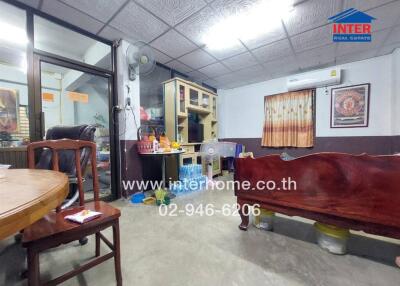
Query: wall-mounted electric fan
point(140, 58)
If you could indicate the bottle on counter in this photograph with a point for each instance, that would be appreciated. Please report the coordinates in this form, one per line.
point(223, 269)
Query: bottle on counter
point(156, 145)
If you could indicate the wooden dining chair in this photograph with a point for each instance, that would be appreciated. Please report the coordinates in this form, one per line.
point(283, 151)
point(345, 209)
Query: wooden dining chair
point(54, 230)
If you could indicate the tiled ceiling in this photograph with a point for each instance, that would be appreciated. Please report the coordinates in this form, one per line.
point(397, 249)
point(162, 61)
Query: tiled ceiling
point(175, 29)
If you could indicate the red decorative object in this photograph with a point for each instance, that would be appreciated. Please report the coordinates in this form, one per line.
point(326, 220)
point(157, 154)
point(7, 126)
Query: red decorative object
point(144, 145)
point(144, 116)
point(358, 192)
point(350, 106)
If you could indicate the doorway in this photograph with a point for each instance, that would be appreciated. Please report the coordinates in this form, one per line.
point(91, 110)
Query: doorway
point(68, 94)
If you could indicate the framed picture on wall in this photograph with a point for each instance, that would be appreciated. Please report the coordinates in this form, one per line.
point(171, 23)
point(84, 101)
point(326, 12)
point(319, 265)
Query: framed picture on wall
point(350, 106)
point(8, 110)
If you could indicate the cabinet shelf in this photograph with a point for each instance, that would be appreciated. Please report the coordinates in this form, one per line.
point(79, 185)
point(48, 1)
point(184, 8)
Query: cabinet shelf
point(198, 109)
point(183, 98)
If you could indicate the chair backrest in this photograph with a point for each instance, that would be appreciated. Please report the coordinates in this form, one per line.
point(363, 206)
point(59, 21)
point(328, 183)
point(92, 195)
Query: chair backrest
point(66, 158)
point(56, 146)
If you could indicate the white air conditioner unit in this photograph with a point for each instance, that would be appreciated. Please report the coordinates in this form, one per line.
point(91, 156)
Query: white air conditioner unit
point(314, 79)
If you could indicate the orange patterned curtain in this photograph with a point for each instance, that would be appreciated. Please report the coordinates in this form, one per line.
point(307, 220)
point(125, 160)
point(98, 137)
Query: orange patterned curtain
point(289, 120)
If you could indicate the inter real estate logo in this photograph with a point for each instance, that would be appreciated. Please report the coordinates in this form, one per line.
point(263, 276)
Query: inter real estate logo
point(351, 26)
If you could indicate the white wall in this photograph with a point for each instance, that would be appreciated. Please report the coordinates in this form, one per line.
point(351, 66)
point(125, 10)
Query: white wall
point(241, 110)
point(127, 125)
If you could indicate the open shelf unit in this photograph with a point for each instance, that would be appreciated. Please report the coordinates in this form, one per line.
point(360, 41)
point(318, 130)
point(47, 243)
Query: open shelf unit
point(182, 97)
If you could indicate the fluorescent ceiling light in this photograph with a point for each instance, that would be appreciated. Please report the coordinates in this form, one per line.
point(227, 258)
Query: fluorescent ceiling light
point(13, 34)
point(255, 21)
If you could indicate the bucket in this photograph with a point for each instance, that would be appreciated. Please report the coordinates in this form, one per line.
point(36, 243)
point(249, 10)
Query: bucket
point(137, 198)
point(331, 238)
point(265, 220)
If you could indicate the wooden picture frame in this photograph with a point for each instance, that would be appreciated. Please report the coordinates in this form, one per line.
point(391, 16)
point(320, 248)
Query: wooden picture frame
point(350, 106)
point(9, 110)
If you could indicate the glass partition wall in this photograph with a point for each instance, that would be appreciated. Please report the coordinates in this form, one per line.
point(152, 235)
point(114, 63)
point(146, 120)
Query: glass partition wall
point(52, 74)
point(14, 123)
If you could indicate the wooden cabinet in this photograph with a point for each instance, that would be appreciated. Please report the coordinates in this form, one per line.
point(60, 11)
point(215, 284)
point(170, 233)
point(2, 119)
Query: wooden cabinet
point(214, 108)
point(182, 97)
point(182, 100)
point(193, 156)
point(194, 97)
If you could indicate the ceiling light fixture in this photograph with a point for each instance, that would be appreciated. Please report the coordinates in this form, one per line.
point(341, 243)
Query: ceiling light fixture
point(255, 21)
point(13, 34)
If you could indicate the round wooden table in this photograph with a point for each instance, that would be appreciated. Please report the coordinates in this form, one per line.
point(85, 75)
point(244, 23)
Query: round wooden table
point(28, 195)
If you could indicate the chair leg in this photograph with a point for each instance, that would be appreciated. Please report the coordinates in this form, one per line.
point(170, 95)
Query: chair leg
point(117, 253)
point(83, 241)
point(97, 244)
point(33, 268)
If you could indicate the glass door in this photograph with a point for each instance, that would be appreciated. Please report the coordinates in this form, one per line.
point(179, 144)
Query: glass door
point(69, 96)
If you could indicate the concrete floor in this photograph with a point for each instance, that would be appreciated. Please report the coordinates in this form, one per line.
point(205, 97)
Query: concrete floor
point(198, 250)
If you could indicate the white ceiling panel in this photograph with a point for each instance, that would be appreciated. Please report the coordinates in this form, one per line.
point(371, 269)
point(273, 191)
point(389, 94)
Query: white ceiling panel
point(250, 72)
point(221, 54)
point(32, 3)
point(394, 36)
point(197, 59)
point(312, 39)
point(281, 66)
point(102, 10)
point(363, 4)
point(211, 82)
point(71, 15)
point(240, 61)
point(179, 66)
point(196, 26)
point(259, 79)
point(214, 70)
point(234, 84)
point(311, 14)
point(386, 16)
point(197, 76)
point(161, 57)
point(173, 44)
point(227, 8)
point(272, 34)
point(227, 78)
point(316, 58)
point(358, 56)
point(183, 47)
point(173, 11)
point(112, 34)
point(377, 41)
point(137, 23)
point(273, 51)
